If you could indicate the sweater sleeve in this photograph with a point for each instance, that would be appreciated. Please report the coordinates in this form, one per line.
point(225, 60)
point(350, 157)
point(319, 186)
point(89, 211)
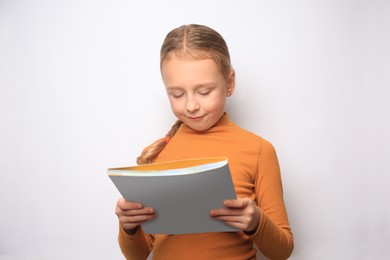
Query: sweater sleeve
point(137, 246)
point(273, 236)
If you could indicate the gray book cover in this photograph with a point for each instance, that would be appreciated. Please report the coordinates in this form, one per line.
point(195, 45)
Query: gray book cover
point(182, 198)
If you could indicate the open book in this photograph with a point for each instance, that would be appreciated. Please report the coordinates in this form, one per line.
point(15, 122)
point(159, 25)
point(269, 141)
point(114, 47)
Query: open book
point(181, 192)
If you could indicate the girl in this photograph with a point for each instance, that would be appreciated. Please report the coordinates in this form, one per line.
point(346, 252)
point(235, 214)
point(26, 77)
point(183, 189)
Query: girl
point(198, 77)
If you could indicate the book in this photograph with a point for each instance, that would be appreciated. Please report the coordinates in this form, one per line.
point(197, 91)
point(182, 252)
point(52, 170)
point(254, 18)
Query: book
point(181, 192)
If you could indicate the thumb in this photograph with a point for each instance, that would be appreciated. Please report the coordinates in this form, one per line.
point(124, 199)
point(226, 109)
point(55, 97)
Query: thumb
point(238, 203)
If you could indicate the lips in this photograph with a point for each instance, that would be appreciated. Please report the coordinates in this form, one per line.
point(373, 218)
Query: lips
point(195, 117)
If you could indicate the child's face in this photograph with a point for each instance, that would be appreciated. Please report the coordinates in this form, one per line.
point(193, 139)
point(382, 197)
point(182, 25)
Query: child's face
point(197, 90)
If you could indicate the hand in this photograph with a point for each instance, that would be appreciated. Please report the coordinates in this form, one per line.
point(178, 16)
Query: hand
point(240, 213)
point(132, 214)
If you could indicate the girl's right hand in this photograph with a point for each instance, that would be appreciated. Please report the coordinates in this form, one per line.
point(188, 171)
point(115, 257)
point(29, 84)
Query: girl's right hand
point(132, 214)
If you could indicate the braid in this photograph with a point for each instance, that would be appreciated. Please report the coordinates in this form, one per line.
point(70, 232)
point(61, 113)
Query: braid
point(149, 153)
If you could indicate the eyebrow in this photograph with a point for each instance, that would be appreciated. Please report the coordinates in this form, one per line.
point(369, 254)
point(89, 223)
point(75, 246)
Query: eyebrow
point(202, 85)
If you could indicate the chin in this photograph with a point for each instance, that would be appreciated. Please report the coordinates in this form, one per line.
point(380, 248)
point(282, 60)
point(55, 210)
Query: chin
point(198, 127)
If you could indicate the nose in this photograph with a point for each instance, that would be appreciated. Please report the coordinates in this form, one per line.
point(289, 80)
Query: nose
point(192, 105)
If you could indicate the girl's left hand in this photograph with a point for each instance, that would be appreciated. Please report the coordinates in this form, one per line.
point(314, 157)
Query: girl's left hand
point(241, 213)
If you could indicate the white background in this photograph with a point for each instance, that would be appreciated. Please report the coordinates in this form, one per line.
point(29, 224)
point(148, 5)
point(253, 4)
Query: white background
point(80, 91)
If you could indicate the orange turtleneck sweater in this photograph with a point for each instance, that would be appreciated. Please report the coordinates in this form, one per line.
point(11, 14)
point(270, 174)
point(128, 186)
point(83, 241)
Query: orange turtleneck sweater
point(255, 172)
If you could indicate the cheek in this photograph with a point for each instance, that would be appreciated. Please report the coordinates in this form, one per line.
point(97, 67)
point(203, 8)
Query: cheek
point(175, 105)
point(215, 102)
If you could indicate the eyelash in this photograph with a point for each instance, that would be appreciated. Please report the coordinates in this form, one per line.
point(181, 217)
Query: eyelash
point(204, 93)
point(177, 95)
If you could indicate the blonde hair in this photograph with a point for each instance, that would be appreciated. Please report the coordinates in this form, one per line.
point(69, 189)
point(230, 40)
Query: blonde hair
point(198, 42)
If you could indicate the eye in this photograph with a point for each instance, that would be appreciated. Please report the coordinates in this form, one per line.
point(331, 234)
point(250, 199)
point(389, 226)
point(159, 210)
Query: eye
point(204, 92)
point(176, 95)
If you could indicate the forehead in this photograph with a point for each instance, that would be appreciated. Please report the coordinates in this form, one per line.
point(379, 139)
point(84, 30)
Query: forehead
point(189, 55)
point(185, 68)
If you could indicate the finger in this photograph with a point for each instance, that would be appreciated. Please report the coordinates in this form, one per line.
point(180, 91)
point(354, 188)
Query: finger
point(135, 212)
point(134, 221)
point(238, 203)
point(235, 219)
point(126, 205)
point(137, 220)
point(133, 225)
point(226, 212)
point(236, 222)
point(238, 225)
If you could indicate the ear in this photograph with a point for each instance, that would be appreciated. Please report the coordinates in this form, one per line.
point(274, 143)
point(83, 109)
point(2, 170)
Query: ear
point(231, 83)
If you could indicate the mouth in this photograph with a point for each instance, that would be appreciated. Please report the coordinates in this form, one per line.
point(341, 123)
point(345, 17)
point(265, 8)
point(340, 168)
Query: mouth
point(195, 118)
